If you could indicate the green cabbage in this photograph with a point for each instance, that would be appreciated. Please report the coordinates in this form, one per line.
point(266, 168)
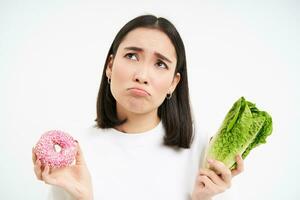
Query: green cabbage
point(243, 128)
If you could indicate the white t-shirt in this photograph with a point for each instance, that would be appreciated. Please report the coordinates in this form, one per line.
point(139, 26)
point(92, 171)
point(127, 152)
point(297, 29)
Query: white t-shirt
point(138, 166)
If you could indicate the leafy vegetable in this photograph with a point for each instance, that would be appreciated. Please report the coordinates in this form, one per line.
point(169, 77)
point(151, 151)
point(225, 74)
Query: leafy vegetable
point(243, 128)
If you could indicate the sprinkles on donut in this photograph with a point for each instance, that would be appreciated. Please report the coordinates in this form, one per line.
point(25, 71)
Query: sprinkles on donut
point(56, 149)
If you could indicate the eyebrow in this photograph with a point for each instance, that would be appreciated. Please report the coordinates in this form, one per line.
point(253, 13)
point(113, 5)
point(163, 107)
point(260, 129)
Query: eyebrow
point(159, 55)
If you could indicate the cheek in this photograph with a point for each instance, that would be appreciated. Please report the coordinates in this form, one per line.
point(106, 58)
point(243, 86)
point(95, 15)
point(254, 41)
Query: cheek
point(161, 85)
point(120, 77)
point(121, 74)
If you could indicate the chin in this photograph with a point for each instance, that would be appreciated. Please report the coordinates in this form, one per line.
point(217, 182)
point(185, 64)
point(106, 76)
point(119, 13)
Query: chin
point(138, 106)
point(138, 109)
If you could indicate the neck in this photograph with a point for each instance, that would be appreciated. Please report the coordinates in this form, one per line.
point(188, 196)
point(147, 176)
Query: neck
point(138, 123)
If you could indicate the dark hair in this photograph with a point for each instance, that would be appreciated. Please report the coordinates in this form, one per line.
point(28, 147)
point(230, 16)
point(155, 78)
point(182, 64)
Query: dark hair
point(175, 113)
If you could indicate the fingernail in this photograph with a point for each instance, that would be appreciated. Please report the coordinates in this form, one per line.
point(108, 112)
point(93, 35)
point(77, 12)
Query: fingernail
point(210, 160)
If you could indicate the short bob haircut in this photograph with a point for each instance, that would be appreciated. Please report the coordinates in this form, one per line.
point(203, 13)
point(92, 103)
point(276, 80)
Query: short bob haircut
point(175, 113)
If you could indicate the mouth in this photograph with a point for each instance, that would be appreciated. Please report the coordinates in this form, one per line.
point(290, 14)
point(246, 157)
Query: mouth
point(138, 92)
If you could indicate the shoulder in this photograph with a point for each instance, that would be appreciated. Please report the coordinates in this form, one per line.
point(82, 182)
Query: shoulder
point(89, 132)
point(89, 136)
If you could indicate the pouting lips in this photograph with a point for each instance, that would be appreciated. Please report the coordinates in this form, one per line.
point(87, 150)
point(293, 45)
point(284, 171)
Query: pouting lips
point(138, 92)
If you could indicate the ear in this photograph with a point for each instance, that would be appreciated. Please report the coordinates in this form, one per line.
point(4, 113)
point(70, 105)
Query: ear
point(109, 66)
point(175, 81)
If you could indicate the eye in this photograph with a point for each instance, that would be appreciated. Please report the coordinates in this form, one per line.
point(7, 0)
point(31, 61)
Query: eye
point(161, 64)
point(131, 56)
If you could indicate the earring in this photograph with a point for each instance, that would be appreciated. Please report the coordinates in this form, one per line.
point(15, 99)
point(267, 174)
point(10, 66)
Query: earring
point(108, 80)
point(169, 95)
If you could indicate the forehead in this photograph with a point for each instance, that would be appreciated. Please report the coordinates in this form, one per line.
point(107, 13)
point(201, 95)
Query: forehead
point(151, 40)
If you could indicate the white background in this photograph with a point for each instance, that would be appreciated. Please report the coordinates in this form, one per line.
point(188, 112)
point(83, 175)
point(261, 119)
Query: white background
point(51, 59)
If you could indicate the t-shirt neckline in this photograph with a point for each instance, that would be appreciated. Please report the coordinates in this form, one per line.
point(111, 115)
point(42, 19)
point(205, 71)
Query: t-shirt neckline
point(153, 131)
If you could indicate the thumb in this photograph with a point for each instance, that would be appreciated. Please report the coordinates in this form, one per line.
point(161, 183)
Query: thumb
point(79, 156)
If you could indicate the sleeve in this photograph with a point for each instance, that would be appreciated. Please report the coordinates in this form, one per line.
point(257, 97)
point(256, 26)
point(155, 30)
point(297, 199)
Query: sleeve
point(57, 193)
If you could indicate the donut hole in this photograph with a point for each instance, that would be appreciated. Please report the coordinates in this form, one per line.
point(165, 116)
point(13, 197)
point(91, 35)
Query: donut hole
point(57, 148)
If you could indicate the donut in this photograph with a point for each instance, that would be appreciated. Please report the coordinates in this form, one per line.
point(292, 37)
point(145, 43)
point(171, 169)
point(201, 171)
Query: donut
point(46, 149)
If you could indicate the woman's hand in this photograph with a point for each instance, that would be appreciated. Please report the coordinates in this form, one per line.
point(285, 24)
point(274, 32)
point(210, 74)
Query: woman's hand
point(215, 180)
point(75, 179)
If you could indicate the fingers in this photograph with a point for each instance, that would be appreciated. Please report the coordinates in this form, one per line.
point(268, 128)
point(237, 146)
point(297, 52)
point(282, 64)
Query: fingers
point(41, 173)
point(206, 184)
point(240, 166)
point(220, 169)
point(33, 156)
point(218, 177)
point(37, 166)
point(45, 173)
point(213, 177)
point(38, 170)
point(46, 176)
point(79, 156)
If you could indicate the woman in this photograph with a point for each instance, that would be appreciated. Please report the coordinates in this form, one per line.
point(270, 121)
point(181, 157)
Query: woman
point(144, 145)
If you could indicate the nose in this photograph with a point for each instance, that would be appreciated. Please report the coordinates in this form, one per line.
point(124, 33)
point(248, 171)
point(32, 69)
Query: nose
point(141, 76)
point(141, 81)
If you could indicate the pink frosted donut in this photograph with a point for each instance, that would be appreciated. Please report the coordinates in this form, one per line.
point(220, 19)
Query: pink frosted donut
point(47, 154)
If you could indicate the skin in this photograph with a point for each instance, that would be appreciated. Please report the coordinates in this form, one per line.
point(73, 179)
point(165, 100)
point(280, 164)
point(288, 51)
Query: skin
point(215, 180)
point(143, 68)
point(75, 179)
point(146, 58)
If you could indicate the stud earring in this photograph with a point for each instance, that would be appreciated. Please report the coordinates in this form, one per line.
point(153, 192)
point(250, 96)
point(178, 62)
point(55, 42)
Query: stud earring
point(169, 95)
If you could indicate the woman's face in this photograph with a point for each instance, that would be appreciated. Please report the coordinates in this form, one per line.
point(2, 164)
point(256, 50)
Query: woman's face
point(142, 71)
